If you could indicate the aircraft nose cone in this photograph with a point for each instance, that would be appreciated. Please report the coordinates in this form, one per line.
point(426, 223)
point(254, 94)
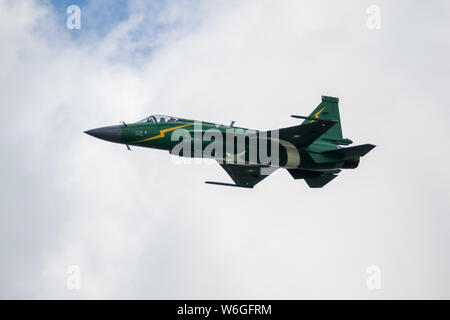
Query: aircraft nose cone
point(111, 133)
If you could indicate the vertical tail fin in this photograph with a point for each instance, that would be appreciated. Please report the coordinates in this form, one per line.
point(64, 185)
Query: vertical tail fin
point(328, 109)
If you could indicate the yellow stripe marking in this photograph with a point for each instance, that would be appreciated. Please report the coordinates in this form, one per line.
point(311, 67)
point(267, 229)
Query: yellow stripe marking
point(162, 132)
point(317, 114)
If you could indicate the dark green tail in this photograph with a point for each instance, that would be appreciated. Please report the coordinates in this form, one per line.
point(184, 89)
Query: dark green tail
point(328, 109)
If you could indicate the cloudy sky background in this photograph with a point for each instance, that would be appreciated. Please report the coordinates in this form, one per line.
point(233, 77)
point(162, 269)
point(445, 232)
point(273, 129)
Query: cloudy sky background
point(140, 226)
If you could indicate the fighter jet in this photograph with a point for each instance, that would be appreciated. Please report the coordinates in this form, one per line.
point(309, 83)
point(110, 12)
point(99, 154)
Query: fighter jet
point(312, 151)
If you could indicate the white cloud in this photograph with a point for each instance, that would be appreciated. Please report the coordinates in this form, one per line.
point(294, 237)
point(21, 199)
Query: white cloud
point(141, 227)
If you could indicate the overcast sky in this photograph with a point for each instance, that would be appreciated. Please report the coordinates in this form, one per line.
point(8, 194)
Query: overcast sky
point(138, 225)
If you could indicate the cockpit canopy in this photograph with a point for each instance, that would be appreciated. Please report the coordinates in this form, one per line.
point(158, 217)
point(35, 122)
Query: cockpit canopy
point(160, 119)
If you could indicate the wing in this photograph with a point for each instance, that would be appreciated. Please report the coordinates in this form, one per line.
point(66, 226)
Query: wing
point(245, 176)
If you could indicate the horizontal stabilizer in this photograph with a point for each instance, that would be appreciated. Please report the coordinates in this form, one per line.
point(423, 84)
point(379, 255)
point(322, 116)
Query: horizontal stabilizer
point(314, 179)
point(350, 152)
point(320, 181)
